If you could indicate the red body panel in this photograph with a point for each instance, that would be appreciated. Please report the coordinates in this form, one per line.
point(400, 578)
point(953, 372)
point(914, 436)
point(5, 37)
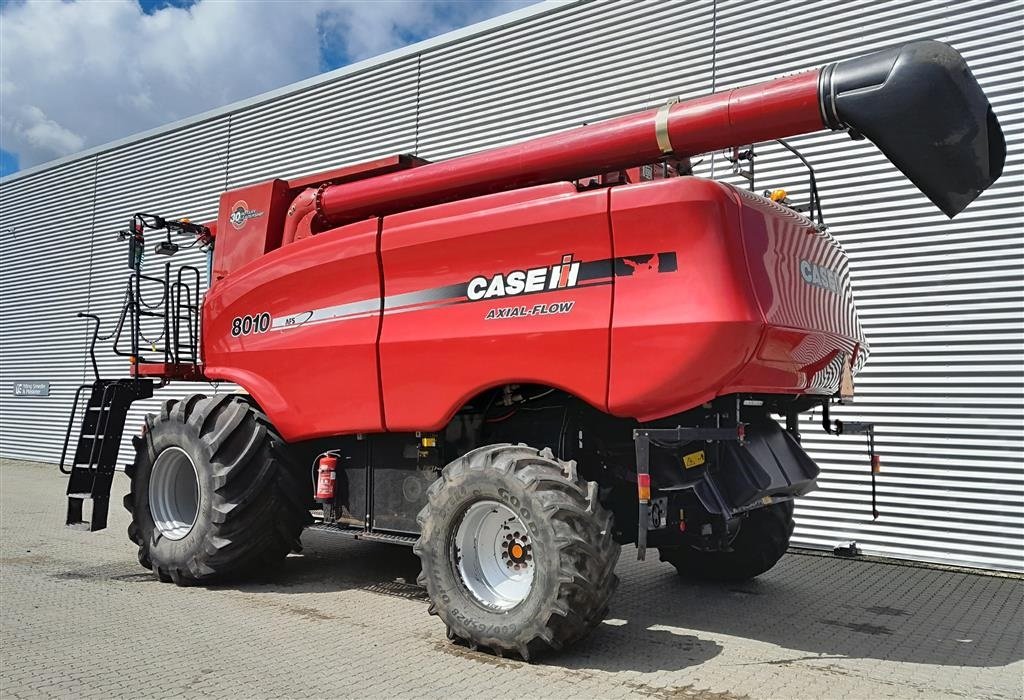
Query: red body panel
point(434, 359)
point(312, 376)
point(644, 300)
point(802, 282)
point(738, 316)
point(676, 338)
point(249, 224)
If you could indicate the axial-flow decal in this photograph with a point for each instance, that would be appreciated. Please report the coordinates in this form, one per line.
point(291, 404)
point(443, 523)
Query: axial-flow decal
point(558, 307)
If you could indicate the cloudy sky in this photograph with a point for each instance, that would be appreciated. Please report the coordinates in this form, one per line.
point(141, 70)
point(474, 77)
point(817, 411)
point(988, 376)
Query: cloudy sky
point(80, 73)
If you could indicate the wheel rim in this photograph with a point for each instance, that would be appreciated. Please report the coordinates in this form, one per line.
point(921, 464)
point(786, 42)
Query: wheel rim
point(493, 554)
point(174, 493)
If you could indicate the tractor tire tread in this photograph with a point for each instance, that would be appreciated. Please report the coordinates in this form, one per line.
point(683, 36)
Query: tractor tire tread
point(762, 540)
point(587, 553)
point(257, 513)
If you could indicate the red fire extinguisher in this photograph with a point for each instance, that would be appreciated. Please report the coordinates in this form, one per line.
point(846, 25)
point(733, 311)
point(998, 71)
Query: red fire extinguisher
point(326, 475)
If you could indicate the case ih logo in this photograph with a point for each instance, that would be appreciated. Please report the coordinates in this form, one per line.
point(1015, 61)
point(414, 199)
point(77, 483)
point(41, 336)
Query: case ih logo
point(240, 213)
point(819, 276)
point(536, 279)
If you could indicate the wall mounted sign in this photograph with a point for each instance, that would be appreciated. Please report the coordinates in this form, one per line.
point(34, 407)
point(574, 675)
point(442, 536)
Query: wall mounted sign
point(31, 388)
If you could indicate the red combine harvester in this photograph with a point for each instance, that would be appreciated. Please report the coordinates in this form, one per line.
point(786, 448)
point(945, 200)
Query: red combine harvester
point(518, 360)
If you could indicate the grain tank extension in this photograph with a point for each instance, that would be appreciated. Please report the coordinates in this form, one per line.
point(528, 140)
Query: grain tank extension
point(518, 360)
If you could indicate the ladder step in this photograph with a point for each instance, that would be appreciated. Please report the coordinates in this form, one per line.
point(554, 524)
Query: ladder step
point(91, 481)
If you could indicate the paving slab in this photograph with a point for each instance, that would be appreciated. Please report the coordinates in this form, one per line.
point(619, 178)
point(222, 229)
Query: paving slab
point(80, 618)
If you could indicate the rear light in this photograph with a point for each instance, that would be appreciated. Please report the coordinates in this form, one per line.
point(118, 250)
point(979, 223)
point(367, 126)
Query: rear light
point(643, 487)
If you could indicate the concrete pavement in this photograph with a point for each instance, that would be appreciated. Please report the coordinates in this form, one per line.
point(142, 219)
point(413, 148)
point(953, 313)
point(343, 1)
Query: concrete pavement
point(80, 617)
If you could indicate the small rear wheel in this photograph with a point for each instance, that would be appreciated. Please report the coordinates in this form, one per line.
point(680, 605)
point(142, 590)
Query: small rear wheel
point(517, 552)
point(762, 539)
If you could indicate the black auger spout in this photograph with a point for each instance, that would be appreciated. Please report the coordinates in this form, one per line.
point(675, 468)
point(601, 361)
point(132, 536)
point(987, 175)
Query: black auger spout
point(923, 108)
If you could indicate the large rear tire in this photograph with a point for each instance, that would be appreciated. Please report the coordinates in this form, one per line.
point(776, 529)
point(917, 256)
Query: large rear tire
point(213, 492)
point(762, 539)
point(517, 552)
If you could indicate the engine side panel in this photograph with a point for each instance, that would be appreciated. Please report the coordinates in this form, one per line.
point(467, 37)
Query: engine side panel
point(676, 338)
point(761, 302)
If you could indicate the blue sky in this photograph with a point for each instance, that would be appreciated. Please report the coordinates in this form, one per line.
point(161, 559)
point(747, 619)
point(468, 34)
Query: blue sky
point(151, 6)
point(8, 163)
point(80, 73)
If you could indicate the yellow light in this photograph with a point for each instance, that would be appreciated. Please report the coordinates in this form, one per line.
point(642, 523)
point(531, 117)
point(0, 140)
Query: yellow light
point(429, 442)
point(777, 195)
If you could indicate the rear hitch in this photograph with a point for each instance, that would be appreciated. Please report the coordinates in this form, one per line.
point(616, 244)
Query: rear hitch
point(840, 427)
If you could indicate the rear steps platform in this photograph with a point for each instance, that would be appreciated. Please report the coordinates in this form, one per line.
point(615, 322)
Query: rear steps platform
point(361, 534)
point(92, 469)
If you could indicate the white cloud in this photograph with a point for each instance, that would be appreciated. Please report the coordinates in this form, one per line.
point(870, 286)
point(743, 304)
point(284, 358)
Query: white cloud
point(79, 74)
point(83, 73)
point(31, 125)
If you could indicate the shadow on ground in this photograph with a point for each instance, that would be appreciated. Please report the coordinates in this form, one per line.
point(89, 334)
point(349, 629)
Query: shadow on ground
point(813, 607)
point(829, 607)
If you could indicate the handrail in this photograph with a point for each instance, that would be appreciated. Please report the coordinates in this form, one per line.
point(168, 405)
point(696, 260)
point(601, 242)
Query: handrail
point(92, 343)
point(71, 424)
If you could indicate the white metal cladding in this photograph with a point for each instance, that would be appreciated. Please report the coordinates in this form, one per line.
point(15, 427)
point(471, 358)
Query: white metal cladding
point(46, 230)
point(592, 62)
point(367, 115)
point(941, 301)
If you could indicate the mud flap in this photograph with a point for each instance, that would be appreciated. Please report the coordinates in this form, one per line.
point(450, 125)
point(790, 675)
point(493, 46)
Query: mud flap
point(768, 464)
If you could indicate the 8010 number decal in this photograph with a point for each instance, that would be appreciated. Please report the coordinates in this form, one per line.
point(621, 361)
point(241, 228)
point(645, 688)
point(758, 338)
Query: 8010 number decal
point(247, 325)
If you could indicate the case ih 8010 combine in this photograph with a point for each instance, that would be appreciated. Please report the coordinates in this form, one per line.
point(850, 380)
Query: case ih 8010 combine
point(521, 359)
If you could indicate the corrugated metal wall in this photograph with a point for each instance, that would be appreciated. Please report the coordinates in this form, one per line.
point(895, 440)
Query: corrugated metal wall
point(941, 301)
point(46, 232)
